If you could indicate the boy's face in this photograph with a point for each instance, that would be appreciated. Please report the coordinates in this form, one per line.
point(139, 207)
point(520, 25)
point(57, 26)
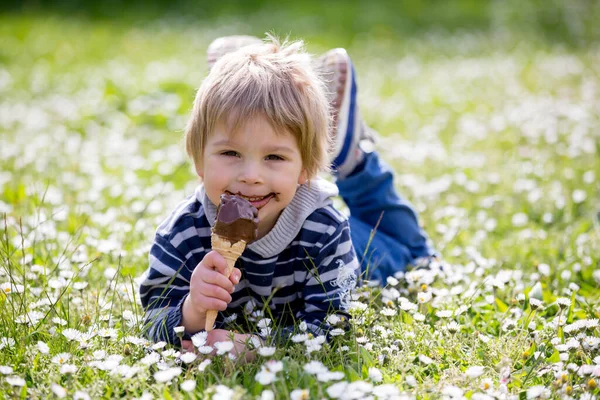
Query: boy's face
point(257, 163)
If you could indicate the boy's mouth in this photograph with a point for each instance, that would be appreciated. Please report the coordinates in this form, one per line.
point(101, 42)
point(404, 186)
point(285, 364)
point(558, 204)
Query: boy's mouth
point(257, 201)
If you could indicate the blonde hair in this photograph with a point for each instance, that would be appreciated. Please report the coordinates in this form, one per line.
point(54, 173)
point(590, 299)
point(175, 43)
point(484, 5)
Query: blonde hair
point(272, 79)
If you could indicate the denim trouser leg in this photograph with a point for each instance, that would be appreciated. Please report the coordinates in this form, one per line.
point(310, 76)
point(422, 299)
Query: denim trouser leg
point(399, 239)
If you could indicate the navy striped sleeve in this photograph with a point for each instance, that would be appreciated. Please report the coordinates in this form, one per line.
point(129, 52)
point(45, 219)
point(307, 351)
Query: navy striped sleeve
point(328, 285)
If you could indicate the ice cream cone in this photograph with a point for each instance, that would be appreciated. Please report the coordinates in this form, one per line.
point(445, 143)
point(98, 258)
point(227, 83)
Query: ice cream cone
point(231, 252)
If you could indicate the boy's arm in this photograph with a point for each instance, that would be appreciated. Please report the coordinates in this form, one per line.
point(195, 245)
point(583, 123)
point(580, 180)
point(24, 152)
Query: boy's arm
point(334, 273)
point(164, 290)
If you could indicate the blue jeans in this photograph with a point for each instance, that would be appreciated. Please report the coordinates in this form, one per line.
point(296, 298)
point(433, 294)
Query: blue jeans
point(369, 192)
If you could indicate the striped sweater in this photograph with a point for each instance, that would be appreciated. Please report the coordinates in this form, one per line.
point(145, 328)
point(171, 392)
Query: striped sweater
point(302, 270)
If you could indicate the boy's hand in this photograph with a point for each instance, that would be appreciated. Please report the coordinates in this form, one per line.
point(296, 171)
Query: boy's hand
point(210, 289)
point(240, 349)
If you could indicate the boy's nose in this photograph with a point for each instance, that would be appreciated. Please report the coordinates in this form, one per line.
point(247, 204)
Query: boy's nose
point(250, 174)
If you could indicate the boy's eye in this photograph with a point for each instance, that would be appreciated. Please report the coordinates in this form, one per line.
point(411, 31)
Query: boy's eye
point(274, 157)
point(230, 153)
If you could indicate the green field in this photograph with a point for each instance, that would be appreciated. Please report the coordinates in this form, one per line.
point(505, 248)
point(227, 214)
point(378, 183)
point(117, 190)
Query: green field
point(488, 111)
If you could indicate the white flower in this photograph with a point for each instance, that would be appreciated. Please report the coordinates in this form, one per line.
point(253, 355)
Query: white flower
point(42, 347)
point(538, 392)
point(300, 394)
point(579, 196)
point(596, 276)
point(179, 330)
point(474, 371)
point(223, 347)
point(303, 327)
point(301, 337)
point(264, 323)
point(61, 358)
point(535, 304)
point(315, 367)
point(443, 314)
point(274, 366)
point(411, 380)
point(452, 327)
point(188, 357)
point(392, 281)
point(265, 377)
point(453, 391)
point(418, 317)
point(375, 375)
point(59, 391)
point(7, 342)
point(150, 359)
point(519, 219)
point(387, 391)
point(5, 370)
point(267, 351)
point(81, 395)
point(167, 374)
point(337, 389)
point(337, 332)
point(15, 381)
point(330, 376)
point(202, 366)
point(222, 392)
point(158, 345)
point(267, 395)
point(68, 369)
point(544, 269)
point(71, 334)
point(563, 302)
point(425, 360)
point(423, 297)
point(388, 312)
point(188, 386)
point(333, 319)
point(9, 288)
point(59, 321)
point(205, 349)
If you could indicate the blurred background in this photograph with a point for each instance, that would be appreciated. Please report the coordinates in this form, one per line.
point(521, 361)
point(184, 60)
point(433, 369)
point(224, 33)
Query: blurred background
point(488, 110)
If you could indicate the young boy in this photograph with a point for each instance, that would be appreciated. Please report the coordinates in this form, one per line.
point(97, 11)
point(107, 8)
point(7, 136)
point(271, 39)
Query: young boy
point(260, 128)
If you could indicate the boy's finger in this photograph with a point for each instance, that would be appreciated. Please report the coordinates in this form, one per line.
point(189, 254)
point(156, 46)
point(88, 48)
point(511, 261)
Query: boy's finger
point(214, 260)
point(235, 276)
point(216, 278)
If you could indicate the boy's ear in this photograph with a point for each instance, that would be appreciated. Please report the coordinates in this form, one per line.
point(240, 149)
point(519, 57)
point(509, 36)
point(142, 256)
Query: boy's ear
point(303, 178)
point(200, 171)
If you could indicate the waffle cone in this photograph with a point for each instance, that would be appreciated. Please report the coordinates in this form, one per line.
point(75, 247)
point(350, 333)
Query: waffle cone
point(230, 252)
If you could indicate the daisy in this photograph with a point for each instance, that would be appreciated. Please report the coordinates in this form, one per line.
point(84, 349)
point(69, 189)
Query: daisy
point(223, 347)
point(68, 369)
point(315, 367)
point(299, 338)
point(5, 370)
point(336, 390)
point(375, 375)
point(71, 334)
point(15, 381)
point(300, 394)
point(202, 366)
point(61, 358)
point(167, 374)
point(267, 351)
point(188, 386)
point(474, 371)
point(188, 357)
point(59, 391)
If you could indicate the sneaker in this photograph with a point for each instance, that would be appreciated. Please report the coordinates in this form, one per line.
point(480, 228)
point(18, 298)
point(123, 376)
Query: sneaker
point(227, 44)
point(348, 127)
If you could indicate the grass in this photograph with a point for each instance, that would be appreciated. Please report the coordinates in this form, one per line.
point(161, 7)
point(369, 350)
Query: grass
point(494, 136)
